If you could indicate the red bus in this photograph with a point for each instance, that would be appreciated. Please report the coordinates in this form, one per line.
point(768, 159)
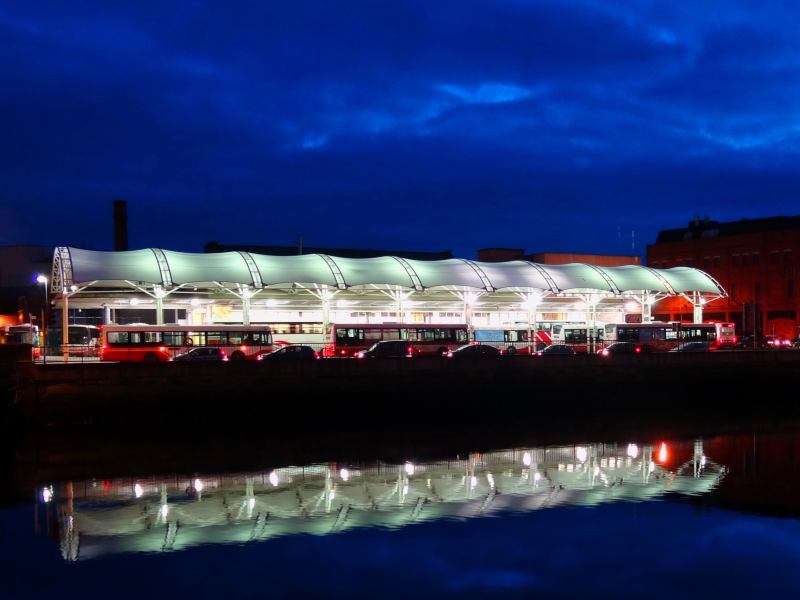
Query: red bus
point(156, 343)
point(347, 340)
point(666, 336)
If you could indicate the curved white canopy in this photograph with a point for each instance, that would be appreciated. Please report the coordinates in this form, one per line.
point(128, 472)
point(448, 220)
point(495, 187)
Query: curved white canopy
point(154, 267)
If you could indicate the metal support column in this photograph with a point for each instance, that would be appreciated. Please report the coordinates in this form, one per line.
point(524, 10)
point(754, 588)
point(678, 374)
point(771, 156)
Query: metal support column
point(159, 310)
point(647, 308)
point(468, 319)
point(326, 309)
point(245, 310)
point(698, 309)
point(64, 325)
point(106, 314)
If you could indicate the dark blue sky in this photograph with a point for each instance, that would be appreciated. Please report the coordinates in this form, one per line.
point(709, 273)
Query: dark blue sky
point(409, 125)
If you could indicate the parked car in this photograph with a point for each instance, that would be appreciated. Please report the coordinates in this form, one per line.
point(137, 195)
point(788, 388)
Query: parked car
point(201, 354)
point(474, 350)
point(625, 348)
point(556, 349)
point(291, 353)
point(796, 342)
point(776, 341)
point(695, 347)
point(388, 349)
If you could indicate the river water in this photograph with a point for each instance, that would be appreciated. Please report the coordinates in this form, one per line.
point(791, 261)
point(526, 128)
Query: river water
point(637, 518)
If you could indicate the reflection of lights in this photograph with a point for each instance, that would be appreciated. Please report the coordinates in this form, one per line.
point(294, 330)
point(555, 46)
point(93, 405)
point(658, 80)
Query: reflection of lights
point(345, 474)
point(405, 490)
point(164, 510)
point(198, 485)
point(251, 503)
point(273, 478)
point(633, 450)
point(332, 495)
point(596, 471)
point(526, 459)
point(409, 469)
point(662, 454)
point(536, 476)
point(47, 495)
point(652, 466)
point(581, 454)
point(703, 461)
point(490, 478)
point(138, 491)
point(473, 481)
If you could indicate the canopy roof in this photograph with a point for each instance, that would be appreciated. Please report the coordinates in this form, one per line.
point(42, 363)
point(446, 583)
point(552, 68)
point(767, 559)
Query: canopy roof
point(167, 269)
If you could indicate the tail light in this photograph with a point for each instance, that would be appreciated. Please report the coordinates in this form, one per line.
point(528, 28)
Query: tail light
point(411, 349)
point(502, 351)
point(712, 348)
point(342, 351)
point(243, 348)
point(538, 354)
point(162, 349)
point(734, 339)
point(360, 355)
point(449, 355)
point(316, 354)
point(474, 343)
point(719, 340)
point(605, 353)
point(223, 353)
point(638, 350)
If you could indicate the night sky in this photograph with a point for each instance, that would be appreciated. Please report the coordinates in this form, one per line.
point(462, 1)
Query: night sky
point(408, 125)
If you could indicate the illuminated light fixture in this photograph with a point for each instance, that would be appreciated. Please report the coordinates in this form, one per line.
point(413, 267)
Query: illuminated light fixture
point(134, 301)
point(272, 302)
point(631, 306)
point(652, 466)
point(345, 474)
point(342, 303)
point(409, 469)
point(470, 298)
point(327, 295)
point(159, 293)
point(198, 485)
point(273, 478)
point(332, 495)
point(580, 306)
point(633, 450)
point(536, 476)
point(405, 490)
point(650, 300)
point(164, 511)
point(473, 481)
point(662, 454)
point(138, 491)
point(526, 459)
point(251, 503)
point(246, 293)
point(596, 471)
point(703, 461)
point(195, 302)
point(581, 454)
point(74, 288)
point(47, 495)
point(40, 279)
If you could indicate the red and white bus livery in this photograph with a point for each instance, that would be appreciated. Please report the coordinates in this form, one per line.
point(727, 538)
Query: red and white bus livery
point(157, 343)
point(666, 336)
point(347, 340)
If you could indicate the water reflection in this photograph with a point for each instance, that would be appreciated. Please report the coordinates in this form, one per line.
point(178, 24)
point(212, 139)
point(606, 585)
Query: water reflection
point(162, 514)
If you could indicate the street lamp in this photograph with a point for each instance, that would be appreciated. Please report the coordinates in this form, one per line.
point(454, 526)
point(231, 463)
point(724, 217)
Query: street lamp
point(43, 280)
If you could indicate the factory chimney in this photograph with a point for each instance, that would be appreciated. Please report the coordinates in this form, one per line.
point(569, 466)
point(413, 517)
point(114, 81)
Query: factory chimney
point(120, 226)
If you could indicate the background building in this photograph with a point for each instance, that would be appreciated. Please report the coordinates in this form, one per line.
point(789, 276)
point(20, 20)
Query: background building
point(555, 258)
point(755, 260)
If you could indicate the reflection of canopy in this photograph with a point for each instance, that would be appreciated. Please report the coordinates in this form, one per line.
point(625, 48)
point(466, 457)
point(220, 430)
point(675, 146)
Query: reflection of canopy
point(167, 269)
point(320, 499)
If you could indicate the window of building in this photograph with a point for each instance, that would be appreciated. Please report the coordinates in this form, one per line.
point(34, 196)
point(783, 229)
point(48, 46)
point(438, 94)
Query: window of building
point(663, 264)
point(706, 262)
point(787, 256)
point(735, 260)
point(745, 260)
point(733, 292)
point(654, 264)
point(756, 258)
point(790, 289)
point(757, 291)
point(688, 262)
point(679, 263)
point(775, 257)
point(716, 262)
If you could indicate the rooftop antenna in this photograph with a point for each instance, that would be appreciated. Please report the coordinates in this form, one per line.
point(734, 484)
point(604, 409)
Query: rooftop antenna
point(619, 239)
point(631, 240)
point(300, 244)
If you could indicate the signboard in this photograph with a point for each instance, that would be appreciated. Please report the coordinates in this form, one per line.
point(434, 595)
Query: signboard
point(629, 318)
point(489, 335)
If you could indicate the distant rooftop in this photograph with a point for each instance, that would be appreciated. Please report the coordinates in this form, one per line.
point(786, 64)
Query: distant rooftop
point(704, 229)
point(213, 247)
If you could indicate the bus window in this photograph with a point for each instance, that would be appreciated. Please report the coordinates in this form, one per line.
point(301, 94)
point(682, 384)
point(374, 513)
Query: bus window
point(257, 338)
point(171, 338)
point(117, 337)
point(461, 335)
point(404, 334)
point(425, 335)
point(646, 334)
point(442, 335)
point(575, 336)
point(373, 335)
point(556, 329)
point(391, 334)
point(152, 338)
point(628, 334)
point(217, 338)
point(235, 338)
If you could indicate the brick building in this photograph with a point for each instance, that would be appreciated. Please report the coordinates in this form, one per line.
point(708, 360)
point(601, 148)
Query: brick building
point(755, 260)
point(555, 258)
